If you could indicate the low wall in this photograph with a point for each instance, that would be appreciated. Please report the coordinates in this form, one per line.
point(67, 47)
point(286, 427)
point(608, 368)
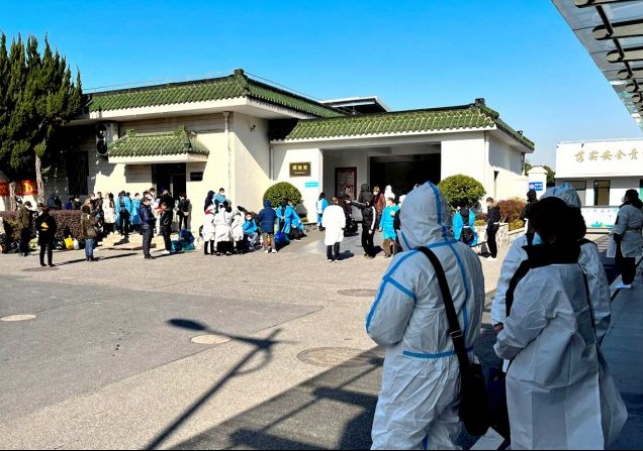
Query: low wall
point(504, 238)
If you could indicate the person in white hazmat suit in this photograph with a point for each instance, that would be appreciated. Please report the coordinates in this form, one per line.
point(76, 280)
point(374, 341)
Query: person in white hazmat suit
point(589, 260)
point(560, 394)
point(419, 399)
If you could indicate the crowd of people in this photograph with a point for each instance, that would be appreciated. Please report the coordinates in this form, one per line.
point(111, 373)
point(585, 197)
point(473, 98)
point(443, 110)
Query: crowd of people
point(551, 312)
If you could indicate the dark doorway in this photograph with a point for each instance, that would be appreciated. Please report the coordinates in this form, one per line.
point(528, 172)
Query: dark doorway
point(404, 172)
point(171, 177)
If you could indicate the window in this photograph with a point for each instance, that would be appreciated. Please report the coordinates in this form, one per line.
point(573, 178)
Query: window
point(78, 173)
point(581, 187)
point(602, 192)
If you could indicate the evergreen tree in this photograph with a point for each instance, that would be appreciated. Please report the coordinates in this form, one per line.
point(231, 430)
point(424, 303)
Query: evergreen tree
point(37, 97)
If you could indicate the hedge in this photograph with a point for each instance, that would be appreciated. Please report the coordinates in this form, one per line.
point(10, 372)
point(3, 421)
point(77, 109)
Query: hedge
point(283, 190)
point(460, 188)
point(511, 209)
point(63, 219)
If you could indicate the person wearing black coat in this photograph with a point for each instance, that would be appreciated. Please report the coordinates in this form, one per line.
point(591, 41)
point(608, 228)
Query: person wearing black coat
point(148, 222)
point(46, 227)
point(532, 199)
point(167, 216)
point(369, 223)
point(493, 225)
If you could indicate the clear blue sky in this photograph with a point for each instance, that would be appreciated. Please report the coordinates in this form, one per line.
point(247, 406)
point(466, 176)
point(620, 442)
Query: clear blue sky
point(520, 55)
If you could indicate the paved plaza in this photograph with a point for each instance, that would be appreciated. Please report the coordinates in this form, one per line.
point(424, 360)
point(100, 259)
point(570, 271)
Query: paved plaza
point(281, 358)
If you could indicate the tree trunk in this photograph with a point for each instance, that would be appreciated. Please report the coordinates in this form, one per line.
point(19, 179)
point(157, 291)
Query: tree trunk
point(40, 185)
point(12, 196)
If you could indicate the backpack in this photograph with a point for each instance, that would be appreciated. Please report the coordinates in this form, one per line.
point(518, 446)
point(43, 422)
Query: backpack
point(467, 234)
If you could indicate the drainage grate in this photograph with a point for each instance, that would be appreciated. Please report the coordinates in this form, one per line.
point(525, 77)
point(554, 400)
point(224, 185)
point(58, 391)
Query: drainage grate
point(358, 293)
point(334, 357)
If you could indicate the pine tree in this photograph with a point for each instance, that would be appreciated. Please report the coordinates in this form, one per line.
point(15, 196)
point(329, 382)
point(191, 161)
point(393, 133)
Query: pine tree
point(39, 98)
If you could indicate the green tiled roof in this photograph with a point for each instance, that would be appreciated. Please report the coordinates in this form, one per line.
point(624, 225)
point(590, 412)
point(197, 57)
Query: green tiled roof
point(235, 86)
point(156, 144)
point(452, 118)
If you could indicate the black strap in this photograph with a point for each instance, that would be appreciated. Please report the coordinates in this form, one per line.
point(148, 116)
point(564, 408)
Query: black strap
point(454, 325)
point(520, 274)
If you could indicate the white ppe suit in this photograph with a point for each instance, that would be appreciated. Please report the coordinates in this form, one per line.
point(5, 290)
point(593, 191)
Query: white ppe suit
point(560, 394)
point(334, 221)
point(418, 403)
point(589, 261)
point(629, 224)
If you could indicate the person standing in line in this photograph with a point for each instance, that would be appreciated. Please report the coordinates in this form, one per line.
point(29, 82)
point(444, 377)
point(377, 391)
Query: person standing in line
point(184, 212)
point(209, 230)
point(148, 224)
point(627, 234)
point(220, 198)
point(322, 204)
point(135, 217)
point(167, 216)
point(124, 214)
point(369, 224)
point(334, 221)
point(532, 199)
point(46, 227)
point(25, 218)
point(88, 226)
point(267, 219)
point(387, 224)
point(380, 203)
point(463, 226)
point(223, 229)
point(560, 393)
point(418, 402)
point(109, 213)
point(493, 225)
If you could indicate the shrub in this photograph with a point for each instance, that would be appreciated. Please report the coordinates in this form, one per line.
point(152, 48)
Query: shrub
point(511, 209)
point(515, 225)
point(63, 219)
point(283, 190)
point(461, 188)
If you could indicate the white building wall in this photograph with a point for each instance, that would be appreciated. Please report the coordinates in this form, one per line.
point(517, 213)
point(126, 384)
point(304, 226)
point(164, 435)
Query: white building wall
point(251, 161)
point(283, 157)
point(508, 162)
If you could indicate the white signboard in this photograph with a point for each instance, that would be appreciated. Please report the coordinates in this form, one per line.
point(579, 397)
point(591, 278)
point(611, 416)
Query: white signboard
point(599, 159)
point(600, 217)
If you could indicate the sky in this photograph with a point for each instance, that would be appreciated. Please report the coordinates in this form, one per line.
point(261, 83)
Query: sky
point(520, 55)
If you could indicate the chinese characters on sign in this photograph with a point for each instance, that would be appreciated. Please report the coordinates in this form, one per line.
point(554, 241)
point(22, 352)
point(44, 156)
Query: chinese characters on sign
point(300, 169)
point(606, 155)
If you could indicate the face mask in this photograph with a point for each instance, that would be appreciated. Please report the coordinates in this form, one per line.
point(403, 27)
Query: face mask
point(537, 240)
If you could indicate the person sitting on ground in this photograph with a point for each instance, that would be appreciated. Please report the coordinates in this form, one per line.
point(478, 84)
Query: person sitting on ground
point(54, 203)
point(76, 204)
point(297, 229)
point(69, 206)
point(387, 224)
point(267, 218)
point(463, 225)
point(250, 232)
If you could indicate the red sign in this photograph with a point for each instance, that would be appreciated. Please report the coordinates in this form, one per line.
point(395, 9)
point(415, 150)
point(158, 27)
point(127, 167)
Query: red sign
point(23, 188)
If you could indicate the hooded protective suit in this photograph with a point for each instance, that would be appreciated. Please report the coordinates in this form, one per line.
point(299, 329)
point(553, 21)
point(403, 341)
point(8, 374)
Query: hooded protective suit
point(560, 394)
point(589, 260)
point(388, 193)
point(629, 224)
point(417, 407)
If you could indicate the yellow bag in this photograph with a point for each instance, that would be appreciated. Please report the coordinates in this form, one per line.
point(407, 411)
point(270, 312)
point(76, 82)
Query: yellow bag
point(69, 243)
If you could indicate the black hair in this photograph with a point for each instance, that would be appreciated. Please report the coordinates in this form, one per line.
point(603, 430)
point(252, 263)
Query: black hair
point(555, 221)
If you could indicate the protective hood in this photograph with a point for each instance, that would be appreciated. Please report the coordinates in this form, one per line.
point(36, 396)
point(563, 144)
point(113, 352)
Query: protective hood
point(366, 188)
point(425, 218)
point(267, 204)
point(565, 192)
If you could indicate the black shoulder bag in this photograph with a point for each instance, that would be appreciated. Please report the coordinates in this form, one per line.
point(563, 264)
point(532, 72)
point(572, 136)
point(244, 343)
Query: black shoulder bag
point(473, 396)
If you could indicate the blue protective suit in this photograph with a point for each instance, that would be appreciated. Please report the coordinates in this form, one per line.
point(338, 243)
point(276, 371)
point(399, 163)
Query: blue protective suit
point(417, 406)
point(458, 225)
point(387, 223)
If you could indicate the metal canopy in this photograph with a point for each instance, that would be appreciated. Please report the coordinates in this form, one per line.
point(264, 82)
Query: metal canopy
point(612, 33)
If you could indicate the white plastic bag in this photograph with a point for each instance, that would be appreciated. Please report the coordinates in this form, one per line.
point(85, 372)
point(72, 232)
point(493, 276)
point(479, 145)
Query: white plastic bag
point(76, 244)
point(612, 248)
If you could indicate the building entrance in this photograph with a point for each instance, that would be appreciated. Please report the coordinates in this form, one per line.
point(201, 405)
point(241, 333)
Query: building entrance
point(403, 172)
point(170, 177)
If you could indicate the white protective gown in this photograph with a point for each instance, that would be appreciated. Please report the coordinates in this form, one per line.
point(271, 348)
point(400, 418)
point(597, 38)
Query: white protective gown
point(589, 260)
point(208, 224)
point(223, 226)
point(417, 407)
point(560, 394)
point(334, 221)
point(629, 224)
point(237, 226)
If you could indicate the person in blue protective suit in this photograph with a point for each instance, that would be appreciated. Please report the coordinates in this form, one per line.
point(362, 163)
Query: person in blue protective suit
point(560, 394)
point(135, 217)
point(589, 260)
point(387, 224)
point(322, 204)
point(287, 217)
point(463, 225)
point(418, 402)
